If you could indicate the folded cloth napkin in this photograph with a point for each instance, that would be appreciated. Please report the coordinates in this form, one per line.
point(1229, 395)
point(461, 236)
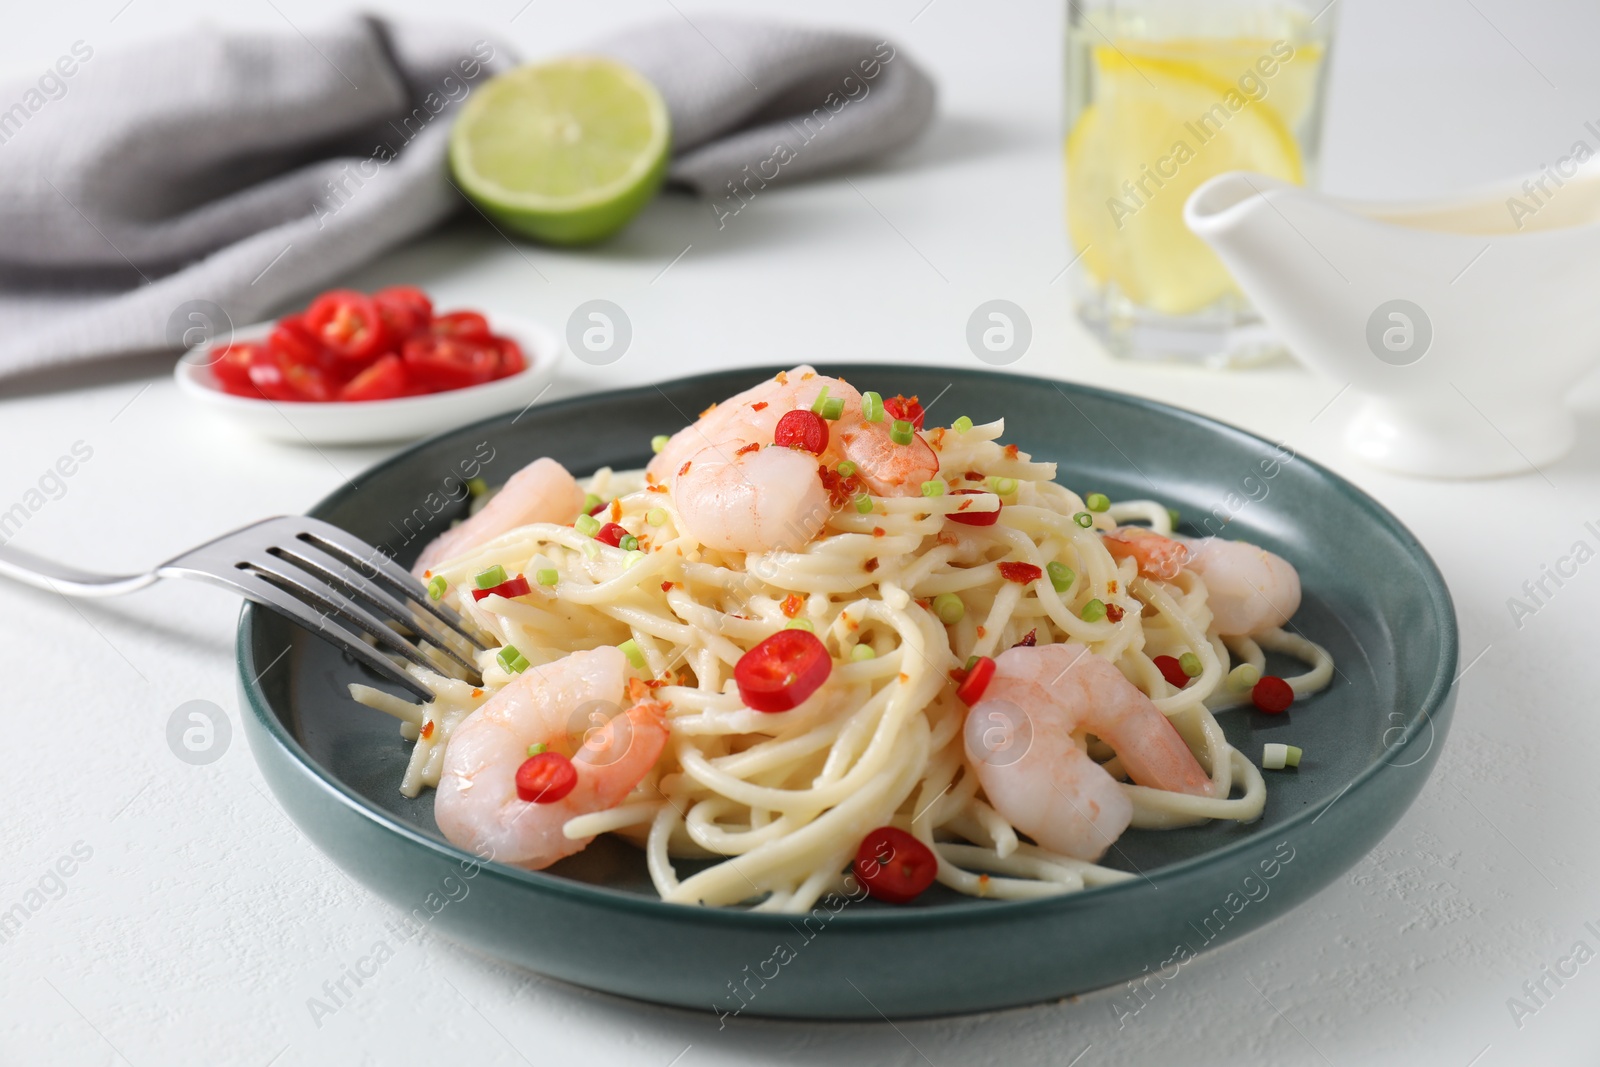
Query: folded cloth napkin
point(163, 194)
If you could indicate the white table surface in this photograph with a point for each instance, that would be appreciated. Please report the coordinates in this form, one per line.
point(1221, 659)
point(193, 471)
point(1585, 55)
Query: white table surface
point(202, 920)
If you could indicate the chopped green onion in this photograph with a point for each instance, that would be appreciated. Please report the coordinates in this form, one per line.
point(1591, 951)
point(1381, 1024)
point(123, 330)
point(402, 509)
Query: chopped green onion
point(1243, 678)
point(833, 410)
point(949, 608)
point(846, 469)
point(1061, 576)
point(1097, 502)
point(634, 556)
point(1084, 519)
point(1001, 486)
point(872, 407)
point(656, 516)
point(658, 442)
point(587, 525)
point(630, 648)
point(477, 486)
point(961, 425)
point(820, 403)
point(1190, 664)
point(538, 748)
point(1094, 611)
point(862, 652)
point(934, 487)
point(1173, 517)
point(511, 660)
point(1275, 757)
point(490, 578)
point(900, 433)
point(590, 502)
point(547, 576)
point(629, 543)
point(801, 623)
point(863, 503)
point(972, 661)
point(436, 587)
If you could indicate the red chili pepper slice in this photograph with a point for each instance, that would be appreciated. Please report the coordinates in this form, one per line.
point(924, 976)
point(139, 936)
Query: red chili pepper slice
point(404, 309)
point(970, 691)
point(611, 534)
point(900, 407)
point(895, 866)
point(347, 324)
point(466, 324)
point(1272, 694)
point(1171, 670)
point(441, 363)
point(512, 361)
point(782, 671)
point(511, 587)
point(230, 365)
point(973, 518)
point(1013, 571)
point(384, 380)
point(802, 429)
point(545, 778)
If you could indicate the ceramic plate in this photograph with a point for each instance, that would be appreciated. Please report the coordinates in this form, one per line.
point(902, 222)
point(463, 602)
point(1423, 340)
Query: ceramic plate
point(1370, 739)
point(402, 419)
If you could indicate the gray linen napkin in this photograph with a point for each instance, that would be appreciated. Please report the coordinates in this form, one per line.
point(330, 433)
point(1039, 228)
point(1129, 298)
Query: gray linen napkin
point(159, 194)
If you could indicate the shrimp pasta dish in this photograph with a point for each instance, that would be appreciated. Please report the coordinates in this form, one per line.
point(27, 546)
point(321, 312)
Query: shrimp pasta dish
point(819, 640)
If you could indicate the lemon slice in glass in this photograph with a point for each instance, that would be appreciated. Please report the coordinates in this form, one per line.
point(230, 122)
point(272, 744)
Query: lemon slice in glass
point(566, 151)
point(1159, 127)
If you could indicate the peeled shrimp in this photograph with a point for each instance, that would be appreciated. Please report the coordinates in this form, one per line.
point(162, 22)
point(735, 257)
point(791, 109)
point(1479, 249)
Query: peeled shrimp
point(1024, 739)
point(1249, 589)
point(733, 491)
point(477, 806)
point(542, 491)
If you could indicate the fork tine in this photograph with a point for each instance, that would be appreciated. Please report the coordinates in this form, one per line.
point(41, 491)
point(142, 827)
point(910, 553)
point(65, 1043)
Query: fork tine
point(320, 596)
point(374, 563)
point(269, 596)
point(335, 572)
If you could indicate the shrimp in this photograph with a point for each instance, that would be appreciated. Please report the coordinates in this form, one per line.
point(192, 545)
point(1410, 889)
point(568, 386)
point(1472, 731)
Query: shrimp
point(1158, 557)
point(1248, 588)
point(542, 491)
point(1023, 738)
point(477, 806)
point(734, 492)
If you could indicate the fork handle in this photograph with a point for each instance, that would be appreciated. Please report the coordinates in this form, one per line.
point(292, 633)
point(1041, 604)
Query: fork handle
point(42, 573)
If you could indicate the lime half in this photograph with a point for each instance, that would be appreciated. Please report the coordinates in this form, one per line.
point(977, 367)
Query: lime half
point(566, 152)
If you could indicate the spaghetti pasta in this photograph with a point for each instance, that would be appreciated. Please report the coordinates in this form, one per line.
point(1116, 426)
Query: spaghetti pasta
point(779, 802)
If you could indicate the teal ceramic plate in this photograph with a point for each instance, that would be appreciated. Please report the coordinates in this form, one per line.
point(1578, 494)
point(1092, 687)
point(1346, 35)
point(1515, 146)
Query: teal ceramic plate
point(1370, 739)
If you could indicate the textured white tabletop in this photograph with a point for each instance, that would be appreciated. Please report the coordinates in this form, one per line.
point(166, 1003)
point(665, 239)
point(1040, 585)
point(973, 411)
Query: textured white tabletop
point(196, 922)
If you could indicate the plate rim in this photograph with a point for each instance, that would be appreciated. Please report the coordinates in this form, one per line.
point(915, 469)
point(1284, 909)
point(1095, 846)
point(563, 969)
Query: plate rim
point(1438, 696)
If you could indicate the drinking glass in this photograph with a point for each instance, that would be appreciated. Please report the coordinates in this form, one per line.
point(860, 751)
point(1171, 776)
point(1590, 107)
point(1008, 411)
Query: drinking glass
point(1160, 96)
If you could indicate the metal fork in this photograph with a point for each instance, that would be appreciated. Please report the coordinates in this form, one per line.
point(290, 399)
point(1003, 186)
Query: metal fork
point(313, 574)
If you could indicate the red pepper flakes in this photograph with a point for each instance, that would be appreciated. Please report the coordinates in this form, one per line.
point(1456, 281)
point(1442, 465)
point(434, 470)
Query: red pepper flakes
point(871, 564)
point(841, 490)
point(759, 405)
point(752, 447)
point(936, 438)
point(1029, 639)
point(666, 587)
point(1111, 586)
point(1114, 612)
point(476, 693)
point(783, 377)
point(904, 678)
point(427, 574)
point(427, 729)
point(808, 375)
point(1011, 451)
point(685, 468)
point(1013, 571)
point(656, 488)
point(982, 632)
point(878, 531)
point(973, 476)
point(638, 689)
point(616, 510)
point(792, 604)
point(947, 539)
point(708, 411)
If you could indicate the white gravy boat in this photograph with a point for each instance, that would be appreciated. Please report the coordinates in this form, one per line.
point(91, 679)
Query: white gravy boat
point(1459, 323)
